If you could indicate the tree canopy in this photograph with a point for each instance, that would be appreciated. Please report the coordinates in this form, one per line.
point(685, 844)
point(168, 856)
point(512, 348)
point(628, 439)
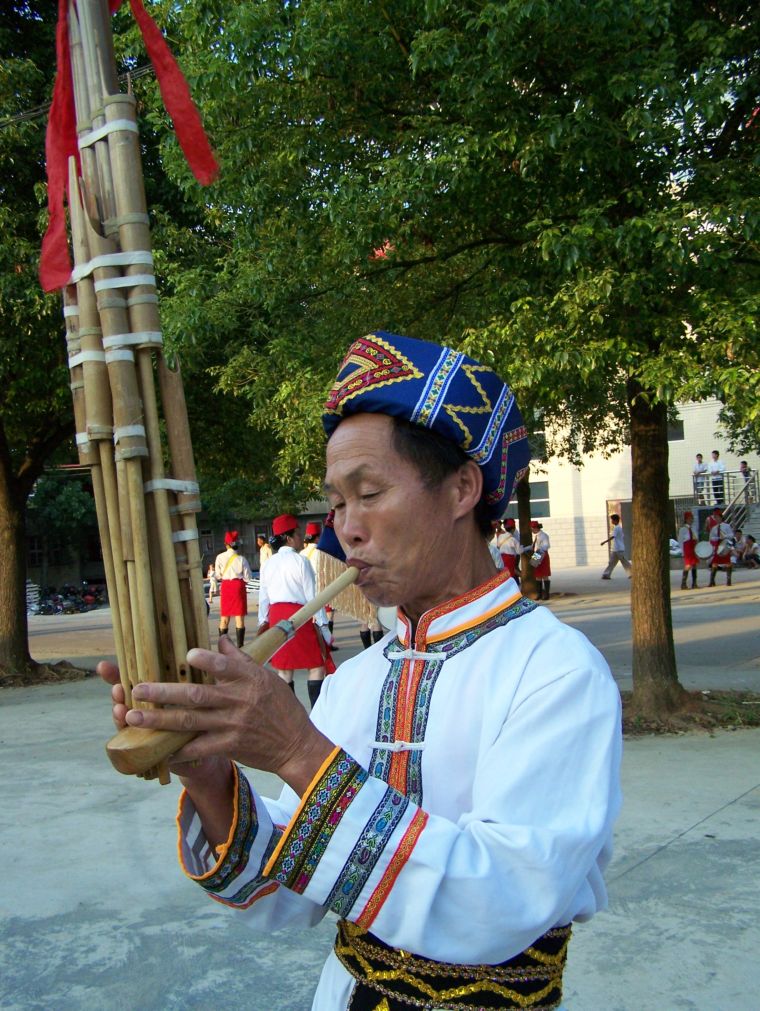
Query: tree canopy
point(569, 190)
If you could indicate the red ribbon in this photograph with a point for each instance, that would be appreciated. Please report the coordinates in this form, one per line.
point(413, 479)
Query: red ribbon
point(61, 138)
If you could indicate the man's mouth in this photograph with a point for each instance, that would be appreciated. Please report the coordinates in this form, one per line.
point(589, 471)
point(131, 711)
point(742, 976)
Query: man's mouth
point(363, 567)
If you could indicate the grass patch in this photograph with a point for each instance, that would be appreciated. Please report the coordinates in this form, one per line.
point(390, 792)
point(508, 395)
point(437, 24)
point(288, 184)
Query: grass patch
point(701, 710)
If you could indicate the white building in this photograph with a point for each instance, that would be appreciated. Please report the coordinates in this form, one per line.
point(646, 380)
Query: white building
point(574, 503)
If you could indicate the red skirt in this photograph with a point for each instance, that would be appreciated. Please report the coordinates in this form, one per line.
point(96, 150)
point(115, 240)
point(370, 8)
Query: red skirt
point(234, 598)
point(690, 559)
point(510, 563)
point(721, 560)
point(306, 649)
point(543, 570)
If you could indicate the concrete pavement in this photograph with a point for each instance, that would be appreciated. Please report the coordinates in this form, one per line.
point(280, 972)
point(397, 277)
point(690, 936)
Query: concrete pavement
point(95, 914)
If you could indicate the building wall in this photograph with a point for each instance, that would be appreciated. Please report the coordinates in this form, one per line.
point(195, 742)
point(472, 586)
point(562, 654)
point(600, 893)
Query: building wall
point(579, 496)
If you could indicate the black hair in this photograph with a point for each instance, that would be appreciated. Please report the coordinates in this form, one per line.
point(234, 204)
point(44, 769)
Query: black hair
point(615, 517)
point(435, 458)
point(277, 541)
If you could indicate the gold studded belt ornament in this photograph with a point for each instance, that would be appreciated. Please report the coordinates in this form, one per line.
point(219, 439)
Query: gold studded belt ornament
point(390, 979)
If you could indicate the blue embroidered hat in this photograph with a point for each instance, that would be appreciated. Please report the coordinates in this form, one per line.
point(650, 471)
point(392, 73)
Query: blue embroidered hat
point(441, 389)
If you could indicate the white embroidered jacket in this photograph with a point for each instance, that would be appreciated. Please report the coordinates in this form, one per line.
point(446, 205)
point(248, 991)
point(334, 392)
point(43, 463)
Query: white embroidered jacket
point(468, 805)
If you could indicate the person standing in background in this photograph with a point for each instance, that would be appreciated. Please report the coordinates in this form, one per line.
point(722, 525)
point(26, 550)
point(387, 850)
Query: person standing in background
point(287, 583)
point(746, 473)
point(687, 539)
point(213, 586)
point(510, 549)
point(265, 551)
point(540, 560)
point(310, 538)
point(722, 540)
point(618, 548)
point(232, 572)
point(700, 478)
point(717, 471)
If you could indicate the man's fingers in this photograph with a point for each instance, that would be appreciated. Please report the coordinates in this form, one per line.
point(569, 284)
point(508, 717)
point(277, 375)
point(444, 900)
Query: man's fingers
point(108, 671)
point(188, 721)
point(188, 696)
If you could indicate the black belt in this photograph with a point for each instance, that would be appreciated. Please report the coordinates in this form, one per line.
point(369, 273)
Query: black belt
point(390, 979)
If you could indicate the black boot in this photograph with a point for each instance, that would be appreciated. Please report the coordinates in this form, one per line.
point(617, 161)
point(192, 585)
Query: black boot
point(728, 577)
point(694, 579)
point(315, 687)
point(712, 577)
point(547, 584)
point(683, 580)
point(366, 637)
point(222, 631)
point(292, 686)
point(240, 636)
point(377, 636)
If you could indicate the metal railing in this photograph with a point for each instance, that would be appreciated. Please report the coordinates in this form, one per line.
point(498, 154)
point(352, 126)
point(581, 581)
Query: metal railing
point(735, 492)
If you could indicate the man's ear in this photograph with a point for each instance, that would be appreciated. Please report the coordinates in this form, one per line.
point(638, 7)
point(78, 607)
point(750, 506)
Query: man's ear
point(468, 488)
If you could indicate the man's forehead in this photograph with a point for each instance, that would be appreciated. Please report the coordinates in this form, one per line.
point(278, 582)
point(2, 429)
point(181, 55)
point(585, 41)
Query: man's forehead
point(361, 446)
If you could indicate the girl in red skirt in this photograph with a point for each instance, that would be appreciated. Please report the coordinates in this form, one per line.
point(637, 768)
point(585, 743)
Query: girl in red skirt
point(540, 560)
point(687, 538)
point(287, 583)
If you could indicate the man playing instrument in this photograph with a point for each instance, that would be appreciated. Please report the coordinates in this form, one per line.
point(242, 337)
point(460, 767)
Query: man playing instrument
point(453, 795)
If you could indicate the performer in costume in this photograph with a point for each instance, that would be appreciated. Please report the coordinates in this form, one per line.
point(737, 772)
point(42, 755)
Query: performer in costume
point(232, 573)
point(722, 540)
point(265, 551)
point(543, 570)
point(310, 538)
point(453, 797)
point(511, 549)
point(687, 538)
point(287, 583)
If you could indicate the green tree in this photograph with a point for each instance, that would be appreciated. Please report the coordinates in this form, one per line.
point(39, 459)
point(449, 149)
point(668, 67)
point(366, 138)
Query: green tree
point(568, 189)
point(35, 403)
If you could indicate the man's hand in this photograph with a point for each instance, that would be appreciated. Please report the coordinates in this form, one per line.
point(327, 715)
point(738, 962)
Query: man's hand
point(249, 715)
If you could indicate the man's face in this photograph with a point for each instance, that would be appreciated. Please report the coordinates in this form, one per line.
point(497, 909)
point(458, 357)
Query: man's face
point(699, 458)
point(399, 533)
point(714, 455)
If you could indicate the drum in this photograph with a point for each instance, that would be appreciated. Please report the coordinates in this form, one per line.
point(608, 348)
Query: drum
point(704, 550)
point(725, 546)
point(536, 558)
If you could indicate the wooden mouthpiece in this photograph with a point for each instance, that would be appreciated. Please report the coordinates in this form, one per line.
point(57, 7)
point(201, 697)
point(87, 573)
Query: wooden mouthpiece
point(134, 750)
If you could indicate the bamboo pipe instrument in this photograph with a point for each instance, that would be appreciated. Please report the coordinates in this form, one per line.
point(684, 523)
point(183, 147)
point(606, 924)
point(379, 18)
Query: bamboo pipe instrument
point(134, 750)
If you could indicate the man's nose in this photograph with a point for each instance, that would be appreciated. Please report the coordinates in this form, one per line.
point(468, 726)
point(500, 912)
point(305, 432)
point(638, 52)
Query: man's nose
point(353, 528)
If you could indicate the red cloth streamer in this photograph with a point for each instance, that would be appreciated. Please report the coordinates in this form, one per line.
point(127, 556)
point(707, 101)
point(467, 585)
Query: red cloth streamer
point(61, 138)
point(60, 144)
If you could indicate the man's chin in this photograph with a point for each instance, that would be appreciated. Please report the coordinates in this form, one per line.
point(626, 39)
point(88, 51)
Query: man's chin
point(379, 596)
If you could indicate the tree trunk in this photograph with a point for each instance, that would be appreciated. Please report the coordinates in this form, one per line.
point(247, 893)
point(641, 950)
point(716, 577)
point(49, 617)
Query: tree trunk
point(656, 689)
point(14, 648)
point(527, 572)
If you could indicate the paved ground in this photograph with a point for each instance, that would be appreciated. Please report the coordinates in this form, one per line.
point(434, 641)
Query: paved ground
point(96, 917)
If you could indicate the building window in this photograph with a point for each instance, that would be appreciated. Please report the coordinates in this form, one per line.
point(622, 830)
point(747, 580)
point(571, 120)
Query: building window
point(35, 552)
point(539, 501)
point(675, 430)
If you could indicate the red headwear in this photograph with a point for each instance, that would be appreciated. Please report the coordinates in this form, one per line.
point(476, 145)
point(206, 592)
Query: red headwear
point(688, 515)
point(535, 525)
point(230, 538)
point(509, 523)
point(313, 529)
point(283, 524)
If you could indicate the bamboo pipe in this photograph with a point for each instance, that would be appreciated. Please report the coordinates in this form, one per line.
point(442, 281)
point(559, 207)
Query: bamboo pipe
point(133, 749)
